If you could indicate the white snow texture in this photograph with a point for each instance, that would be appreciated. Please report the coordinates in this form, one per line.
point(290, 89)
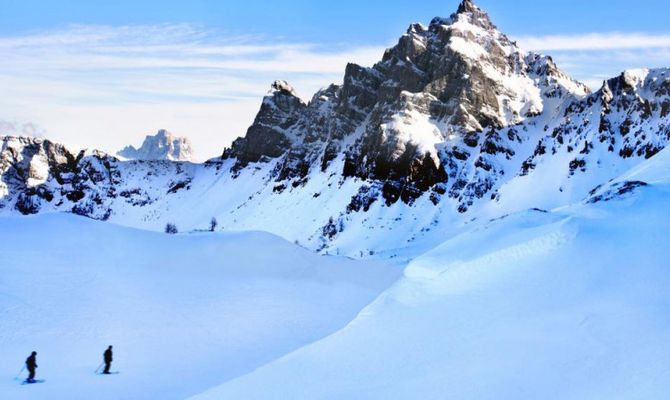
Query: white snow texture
point(535, 268)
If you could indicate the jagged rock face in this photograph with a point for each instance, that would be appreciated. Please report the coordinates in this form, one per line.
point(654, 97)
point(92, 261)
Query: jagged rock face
point(269, 136)
point(628, 117)
point(38, 174)
point(397, 120)
point(161, 146)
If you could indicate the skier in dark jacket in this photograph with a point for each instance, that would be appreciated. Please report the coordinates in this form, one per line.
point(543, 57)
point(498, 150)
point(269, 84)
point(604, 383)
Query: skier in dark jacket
point(108, 359)
point(31, 365)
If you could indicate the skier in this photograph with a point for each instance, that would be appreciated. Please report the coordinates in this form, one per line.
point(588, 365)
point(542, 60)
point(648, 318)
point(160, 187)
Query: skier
point(31, 364)
point(108, 359)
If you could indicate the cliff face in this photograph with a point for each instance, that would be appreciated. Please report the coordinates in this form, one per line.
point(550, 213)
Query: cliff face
point(410, 119)
point(39, 175)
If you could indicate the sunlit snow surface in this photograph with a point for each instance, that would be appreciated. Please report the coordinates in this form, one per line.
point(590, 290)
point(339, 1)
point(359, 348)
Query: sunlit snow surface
point(569, 304)
point(184, 312)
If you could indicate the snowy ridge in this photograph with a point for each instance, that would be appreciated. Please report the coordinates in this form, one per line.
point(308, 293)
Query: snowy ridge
point(556, 305)
point(433, 138)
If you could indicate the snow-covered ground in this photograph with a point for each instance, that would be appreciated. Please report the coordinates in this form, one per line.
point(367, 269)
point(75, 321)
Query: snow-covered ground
point(184, 312)
point(534, 241)
point(568, 304)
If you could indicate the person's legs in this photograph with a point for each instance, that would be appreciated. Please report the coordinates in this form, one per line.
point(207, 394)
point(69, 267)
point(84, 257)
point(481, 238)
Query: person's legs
point(31, 376)
point(107, 367)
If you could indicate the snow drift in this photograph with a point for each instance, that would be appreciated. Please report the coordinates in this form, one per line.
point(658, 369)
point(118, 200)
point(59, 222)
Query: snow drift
point(569, 304)
point(183, 312)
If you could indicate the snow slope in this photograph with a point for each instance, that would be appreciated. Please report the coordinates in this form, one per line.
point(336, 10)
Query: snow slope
point(569, 304)
point(183, 312)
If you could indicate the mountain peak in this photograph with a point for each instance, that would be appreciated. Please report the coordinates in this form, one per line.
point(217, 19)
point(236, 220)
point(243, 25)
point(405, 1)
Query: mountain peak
point(161, 146)
point(468, 13)
point(164, 133)
point(467, 6)
point(283, 87)
point(461, 71)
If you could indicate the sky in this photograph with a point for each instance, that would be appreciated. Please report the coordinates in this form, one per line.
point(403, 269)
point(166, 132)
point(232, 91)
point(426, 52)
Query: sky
point(105, 74)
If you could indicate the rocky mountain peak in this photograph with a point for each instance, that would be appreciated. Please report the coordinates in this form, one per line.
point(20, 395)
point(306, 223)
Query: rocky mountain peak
point(283, 96)
point(269, 136)
point(161, 146)
point(467, 12)
point(441, 84)
point(283, 87)
point(467, 6)
point(482, 78)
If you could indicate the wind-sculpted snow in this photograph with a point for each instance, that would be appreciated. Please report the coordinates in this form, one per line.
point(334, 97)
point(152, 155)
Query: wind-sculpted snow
point(570, 304)
point(183, 312)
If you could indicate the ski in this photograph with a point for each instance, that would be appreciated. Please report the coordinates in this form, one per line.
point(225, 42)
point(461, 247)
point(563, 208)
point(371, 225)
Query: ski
point(33, 382)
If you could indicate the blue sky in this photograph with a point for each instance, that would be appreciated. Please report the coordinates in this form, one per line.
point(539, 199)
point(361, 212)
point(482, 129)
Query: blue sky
point(106, 73)
point(368, 22)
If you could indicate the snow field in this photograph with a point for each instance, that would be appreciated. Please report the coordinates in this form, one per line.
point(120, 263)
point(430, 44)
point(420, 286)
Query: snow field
point(184, 312)
point(570, 304)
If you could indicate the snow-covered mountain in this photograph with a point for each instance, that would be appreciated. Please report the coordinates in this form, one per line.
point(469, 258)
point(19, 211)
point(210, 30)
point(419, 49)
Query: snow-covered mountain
point(568, 304)
point(563, 304)
point(519, 222)
point(161, 146)
point(455, 124)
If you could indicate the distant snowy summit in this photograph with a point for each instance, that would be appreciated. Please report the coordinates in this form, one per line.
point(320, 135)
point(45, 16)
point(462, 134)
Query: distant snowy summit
point(161, 146)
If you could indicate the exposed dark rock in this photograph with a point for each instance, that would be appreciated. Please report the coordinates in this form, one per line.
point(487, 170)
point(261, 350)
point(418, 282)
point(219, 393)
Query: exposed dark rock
point(424, 73)
point(616, 191)
point(365, 197)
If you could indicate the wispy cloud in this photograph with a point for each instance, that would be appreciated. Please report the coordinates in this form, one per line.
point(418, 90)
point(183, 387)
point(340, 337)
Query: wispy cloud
point(108, 86)
point(594, 57)
point(595, 41)
point(85, 48)
point(164, 70)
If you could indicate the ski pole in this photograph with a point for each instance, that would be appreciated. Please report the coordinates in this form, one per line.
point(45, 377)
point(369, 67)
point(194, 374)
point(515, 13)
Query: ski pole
point(20, 372)
point(98, 369)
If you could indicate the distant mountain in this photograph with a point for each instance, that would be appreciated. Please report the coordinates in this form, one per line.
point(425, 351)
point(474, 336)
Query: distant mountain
point(8, 128)
point(161, 146)
point(455, 124)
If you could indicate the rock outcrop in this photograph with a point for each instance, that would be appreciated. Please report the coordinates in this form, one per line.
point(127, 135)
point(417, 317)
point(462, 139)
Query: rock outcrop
point(410, 119)
point(161, 146)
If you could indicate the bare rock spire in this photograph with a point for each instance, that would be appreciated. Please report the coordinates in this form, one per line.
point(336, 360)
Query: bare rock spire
point(467, 6)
